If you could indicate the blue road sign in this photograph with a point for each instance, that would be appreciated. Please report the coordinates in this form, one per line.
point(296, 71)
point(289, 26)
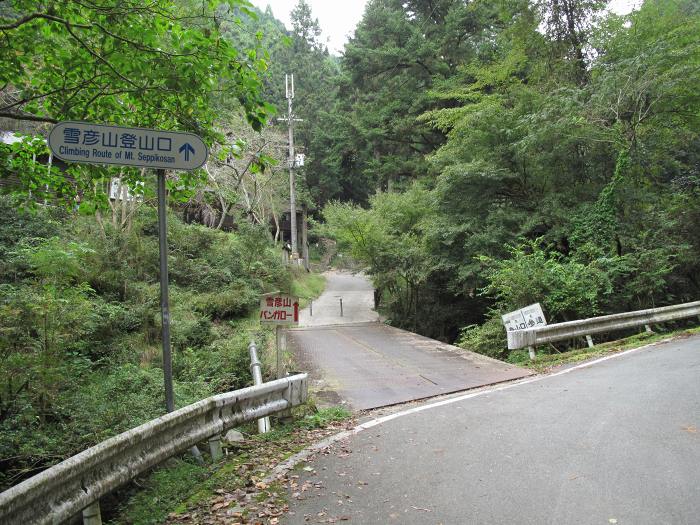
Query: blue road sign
point(147, 148)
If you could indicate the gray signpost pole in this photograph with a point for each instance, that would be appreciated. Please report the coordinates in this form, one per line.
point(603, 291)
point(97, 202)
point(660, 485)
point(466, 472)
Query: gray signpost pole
point(164, 296)
point(144, 148)
point(165, 304)
point(278, 346)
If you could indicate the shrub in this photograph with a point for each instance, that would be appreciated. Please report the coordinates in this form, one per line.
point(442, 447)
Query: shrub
point(488, 339)
point(80, 326)
point(567, 289)
point(229, 303)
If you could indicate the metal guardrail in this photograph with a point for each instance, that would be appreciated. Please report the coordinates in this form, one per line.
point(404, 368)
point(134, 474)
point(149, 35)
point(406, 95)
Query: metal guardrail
point(62, 491)
point(608, 323)
point(263, 422)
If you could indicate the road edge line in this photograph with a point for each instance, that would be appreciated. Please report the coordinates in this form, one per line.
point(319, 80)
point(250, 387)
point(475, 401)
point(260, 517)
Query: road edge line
point(377, 421)
point(304, 454)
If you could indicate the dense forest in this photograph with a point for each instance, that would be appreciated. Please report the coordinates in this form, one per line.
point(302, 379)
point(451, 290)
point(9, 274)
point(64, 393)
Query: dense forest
point(475, 156)
point(511, 152)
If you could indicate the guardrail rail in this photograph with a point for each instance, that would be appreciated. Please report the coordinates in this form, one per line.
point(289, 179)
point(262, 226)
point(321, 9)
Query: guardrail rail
point(532, 337)
point(62, 491)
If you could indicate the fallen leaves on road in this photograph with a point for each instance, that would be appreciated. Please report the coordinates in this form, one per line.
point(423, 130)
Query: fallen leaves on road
point(247, 497)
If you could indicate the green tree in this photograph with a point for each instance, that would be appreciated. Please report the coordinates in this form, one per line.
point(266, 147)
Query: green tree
point(560, 128)
point(162, 65)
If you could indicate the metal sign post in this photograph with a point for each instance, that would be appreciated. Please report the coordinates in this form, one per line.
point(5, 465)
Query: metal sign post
point(88, 143)
point(279, 348)
point(164, 295)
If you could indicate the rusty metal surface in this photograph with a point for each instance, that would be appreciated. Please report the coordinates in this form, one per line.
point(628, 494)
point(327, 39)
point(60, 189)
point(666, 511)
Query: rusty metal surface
point(373, 365)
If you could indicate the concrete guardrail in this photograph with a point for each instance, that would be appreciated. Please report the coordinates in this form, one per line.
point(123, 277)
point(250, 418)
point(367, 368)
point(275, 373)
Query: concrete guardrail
point(608, 323)
point(62, 491)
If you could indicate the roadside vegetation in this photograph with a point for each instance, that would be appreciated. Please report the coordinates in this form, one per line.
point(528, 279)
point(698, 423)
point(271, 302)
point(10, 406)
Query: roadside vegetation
point(80, 344)
point(80, 325)
point(232, 488)
point(307, 286)
point(473, 157)
point(520, 152)
point(545, 362)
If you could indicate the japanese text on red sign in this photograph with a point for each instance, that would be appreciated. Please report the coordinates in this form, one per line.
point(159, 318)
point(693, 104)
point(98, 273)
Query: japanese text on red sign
point(279, 309)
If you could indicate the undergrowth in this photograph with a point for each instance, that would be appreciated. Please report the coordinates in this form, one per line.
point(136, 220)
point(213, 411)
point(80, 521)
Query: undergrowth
point(181, 485)
point(80, 325)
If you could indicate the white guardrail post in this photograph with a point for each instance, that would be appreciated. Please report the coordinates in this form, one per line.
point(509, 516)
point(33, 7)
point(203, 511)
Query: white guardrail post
point(76, 485)
point(263, 423)
point(92, 514)
point(531, 351)
point(532, 337)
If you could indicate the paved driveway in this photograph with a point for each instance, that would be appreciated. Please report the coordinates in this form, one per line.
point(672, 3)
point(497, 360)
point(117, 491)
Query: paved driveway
point(358, 301)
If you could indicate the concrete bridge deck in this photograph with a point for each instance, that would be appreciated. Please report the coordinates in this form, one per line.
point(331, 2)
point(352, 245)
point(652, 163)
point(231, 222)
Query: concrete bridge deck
point(369, 364)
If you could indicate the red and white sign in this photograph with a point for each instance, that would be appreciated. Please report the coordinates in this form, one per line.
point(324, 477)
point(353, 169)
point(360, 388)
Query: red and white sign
point(276, 308)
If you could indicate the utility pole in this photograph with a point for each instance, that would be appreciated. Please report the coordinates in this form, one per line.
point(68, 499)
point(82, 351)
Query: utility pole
point(289, 87)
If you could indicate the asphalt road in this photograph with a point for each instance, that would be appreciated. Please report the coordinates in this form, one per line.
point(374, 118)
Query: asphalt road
point(616, 442)
point(357, 294)
point(368, 364)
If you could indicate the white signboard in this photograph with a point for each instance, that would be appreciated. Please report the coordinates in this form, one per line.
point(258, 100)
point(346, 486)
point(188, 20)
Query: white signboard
point(528, 317)
point(277, 308)
point(145, 148)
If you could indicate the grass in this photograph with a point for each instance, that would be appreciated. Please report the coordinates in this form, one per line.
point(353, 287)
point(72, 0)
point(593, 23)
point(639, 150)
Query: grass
point(162, 491)
point(544, 362)
point(181, 485)
point(307, 286)
point(315, 254)
point(319, 419)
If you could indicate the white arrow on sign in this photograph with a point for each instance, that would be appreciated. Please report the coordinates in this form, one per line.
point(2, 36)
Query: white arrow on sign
point(145, 148)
